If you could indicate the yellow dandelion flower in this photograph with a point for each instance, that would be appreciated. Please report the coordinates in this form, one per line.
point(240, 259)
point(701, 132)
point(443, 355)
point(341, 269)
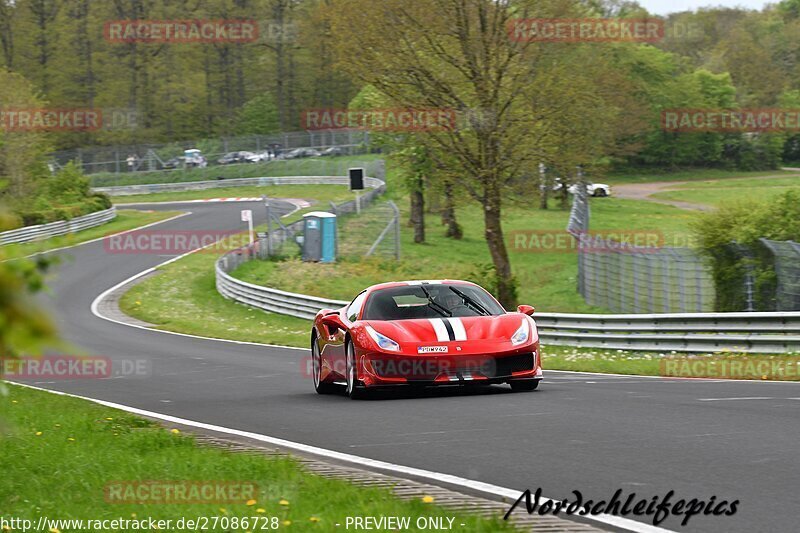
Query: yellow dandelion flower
point(287, 522)
point(251, 502)
point(313, 519)
point(223, 510)
point(70, 439)
point(283, 502)
point(58, 425)
point(13, 401)
point(427, 499)
point(38, 433)
point(6, 527)
point(109, 418)
point(175, 431)
point(138, 302)
point(261, 510)
point(134, 515)
point(54, 530)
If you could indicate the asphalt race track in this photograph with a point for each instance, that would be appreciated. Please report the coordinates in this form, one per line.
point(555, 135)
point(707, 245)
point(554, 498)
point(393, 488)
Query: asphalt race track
point(593, 433)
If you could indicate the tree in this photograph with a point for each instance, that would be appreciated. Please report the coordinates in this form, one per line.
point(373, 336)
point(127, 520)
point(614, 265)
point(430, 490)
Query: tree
point(518, 96)
point(259, 116)
point(21, 152)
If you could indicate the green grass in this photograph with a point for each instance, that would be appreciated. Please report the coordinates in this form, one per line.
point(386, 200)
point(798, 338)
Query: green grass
point(62, 452)
point(651, 175)
point(126, 220)
point(184, 298)
point(546, 280)
point(324, 166)
point(718, 192)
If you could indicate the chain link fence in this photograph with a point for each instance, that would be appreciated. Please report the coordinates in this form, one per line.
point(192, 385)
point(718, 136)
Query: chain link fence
point(624, 278)
point(139, 158)
point(628, 279)
point(787, 270)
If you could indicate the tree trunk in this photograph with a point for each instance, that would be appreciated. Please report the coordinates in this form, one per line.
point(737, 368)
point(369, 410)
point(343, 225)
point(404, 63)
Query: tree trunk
point(454, 230)
point(564, 195)
point(506, 289)
point(418, 214)
point(543, 196)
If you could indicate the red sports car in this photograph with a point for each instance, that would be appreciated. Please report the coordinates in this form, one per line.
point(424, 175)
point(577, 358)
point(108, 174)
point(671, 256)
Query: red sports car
point(424, 333)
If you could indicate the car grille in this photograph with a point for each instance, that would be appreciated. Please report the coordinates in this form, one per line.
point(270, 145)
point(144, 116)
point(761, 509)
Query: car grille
point(514, 363)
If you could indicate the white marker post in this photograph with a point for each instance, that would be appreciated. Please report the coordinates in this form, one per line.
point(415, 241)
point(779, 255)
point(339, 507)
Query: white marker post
point(247, 216)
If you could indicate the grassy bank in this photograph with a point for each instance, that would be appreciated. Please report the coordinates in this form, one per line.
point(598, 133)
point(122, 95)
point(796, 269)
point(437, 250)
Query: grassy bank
point(718, 192)
point(63, 453)
point(324, 166)
point(126, 219)
point(652, 175)
point(184, 298)
point(547, 278)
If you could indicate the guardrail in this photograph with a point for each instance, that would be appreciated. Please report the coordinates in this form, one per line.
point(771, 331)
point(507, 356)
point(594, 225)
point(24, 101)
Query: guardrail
point(128, 190)
point(54, 229)
point(703, 332)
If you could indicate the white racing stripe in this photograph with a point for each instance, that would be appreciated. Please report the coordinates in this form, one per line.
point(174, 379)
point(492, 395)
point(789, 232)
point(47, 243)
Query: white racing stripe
point(458, 329)
point(508, 494)
point(441, 330)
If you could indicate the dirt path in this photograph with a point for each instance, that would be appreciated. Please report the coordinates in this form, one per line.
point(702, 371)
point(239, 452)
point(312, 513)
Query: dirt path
point(644, 191)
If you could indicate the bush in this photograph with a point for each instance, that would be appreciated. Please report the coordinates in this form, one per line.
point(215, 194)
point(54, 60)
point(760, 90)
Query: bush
point(64, 196)
point(730, 237)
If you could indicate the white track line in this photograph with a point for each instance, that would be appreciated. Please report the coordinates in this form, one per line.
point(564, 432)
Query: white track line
point(95, 307)
point(476, 486)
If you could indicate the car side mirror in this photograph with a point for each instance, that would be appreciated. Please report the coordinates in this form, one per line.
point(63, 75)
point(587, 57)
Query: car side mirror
point(333, 322)
point(526, 309)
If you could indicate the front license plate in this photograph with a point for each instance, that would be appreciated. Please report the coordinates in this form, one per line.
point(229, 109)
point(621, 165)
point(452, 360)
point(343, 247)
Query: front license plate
point(432, 349)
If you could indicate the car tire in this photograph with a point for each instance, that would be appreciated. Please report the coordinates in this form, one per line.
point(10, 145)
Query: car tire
point(353, 389)
point(600, 193)
point(316, 369)
point(526, 385)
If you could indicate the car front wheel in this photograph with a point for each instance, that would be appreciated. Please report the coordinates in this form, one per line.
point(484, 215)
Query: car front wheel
point(354, 389)
point(320, 386)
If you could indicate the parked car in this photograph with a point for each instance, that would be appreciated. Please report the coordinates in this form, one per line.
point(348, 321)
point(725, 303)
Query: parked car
point(598, 190)
point(332, 152)
point(238, 157)
point(299, 153)
point(193, 158)
point(175, 162)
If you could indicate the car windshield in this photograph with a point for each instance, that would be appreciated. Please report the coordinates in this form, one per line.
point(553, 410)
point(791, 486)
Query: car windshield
point(430, 301)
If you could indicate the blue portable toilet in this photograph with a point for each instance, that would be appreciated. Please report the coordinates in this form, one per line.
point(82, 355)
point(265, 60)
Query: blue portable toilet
point(319, 237)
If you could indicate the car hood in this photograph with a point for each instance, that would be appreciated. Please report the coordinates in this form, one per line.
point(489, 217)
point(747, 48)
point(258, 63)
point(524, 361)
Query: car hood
point(472, 334)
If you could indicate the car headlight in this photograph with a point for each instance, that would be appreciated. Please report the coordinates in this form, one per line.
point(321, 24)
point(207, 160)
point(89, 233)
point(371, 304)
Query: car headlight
point(522, 335)
point(383, 342)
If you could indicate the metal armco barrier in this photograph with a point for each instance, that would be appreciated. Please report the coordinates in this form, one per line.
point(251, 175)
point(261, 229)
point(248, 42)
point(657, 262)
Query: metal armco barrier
point(702, 332)
point(54, 229)
point(127, 190)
